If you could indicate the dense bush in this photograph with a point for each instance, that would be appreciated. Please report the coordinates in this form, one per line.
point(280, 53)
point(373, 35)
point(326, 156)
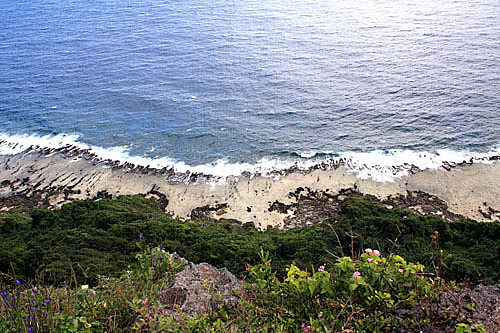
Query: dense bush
point(113, 305)
point(85, 239)
point(352, 294)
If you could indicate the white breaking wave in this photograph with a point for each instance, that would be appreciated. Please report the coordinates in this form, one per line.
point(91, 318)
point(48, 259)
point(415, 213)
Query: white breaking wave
point(384, 166)
point(15, 144)
point(378, 165)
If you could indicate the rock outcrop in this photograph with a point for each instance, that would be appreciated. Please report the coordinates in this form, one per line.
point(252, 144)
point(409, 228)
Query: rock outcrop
point(480, 305)
point(200, 288)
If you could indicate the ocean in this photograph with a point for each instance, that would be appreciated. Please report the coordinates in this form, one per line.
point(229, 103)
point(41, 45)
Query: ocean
point(225, 87)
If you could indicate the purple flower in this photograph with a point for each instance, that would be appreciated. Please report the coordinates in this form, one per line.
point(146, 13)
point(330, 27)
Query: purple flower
point(66, 283)
point(34, 291)
point(47, 301)
point(30, 330)
point(38, 307)
point(4, 294)
point(160, 247)
point(18, 283)
point(32, 309)
point(18, 293)
point(141, 236)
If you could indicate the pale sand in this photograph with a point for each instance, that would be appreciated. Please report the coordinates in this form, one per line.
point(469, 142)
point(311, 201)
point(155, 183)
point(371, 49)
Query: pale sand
point(466, 190)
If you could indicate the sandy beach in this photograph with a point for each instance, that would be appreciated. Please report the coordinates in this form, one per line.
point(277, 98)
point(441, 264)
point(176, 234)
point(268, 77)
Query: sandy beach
point(294, 199)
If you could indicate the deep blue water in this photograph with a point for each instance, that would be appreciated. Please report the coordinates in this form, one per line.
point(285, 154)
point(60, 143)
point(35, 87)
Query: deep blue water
point(205, 80)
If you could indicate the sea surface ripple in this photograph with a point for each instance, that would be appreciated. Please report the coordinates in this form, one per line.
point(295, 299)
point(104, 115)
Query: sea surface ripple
point(231, 82)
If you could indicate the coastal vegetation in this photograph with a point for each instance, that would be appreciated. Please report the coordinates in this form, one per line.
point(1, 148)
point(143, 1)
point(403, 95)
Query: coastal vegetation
point(85, 239)
point(362, 294)
point(317, 278)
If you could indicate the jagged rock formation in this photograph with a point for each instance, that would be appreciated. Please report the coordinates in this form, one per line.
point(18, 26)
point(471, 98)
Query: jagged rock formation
point(199, 288)
point(480, 305)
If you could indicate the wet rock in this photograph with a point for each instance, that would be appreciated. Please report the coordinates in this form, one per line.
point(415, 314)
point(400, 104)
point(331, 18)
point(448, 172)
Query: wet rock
point(201, 288)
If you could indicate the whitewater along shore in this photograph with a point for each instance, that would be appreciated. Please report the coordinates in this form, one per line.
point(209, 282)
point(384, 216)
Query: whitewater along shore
point(48, 178)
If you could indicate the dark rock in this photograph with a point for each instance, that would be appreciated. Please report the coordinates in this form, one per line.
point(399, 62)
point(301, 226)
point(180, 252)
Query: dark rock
point(206, 212)
point(103, 195)
point(162, 198)
point(278, 206)
point(310, 207)
point(422, 203)
point(478, 306)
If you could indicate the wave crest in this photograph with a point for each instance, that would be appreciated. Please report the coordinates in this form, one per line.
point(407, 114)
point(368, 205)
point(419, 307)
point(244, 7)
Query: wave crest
point(378, 165)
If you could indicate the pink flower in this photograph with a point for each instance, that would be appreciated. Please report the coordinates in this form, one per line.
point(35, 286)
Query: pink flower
point(356, 274)
point(268, 264)
point(376, 253)
point(247, 269)
point(369, 251)
point(304, 327)
point(144, 301)
point(401, 271)
point(321, 268)
point(370, 259)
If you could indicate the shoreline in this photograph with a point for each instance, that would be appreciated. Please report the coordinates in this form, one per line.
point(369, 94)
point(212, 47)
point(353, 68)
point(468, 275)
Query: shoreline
point(50, 177)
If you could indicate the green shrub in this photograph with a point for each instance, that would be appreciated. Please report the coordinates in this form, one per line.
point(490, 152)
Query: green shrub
point(88, 239)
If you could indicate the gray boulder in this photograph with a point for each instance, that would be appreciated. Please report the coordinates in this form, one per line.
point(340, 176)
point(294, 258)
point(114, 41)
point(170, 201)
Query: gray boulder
point(201, 288)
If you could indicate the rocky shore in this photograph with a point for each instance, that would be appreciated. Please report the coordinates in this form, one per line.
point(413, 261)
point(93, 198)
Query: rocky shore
point(50, 177)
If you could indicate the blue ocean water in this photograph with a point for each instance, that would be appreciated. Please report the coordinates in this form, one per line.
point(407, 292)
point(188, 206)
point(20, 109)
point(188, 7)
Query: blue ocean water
point(232, 83)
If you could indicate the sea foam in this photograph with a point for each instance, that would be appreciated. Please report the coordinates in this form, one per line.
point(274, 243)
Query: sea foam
point(378, 165)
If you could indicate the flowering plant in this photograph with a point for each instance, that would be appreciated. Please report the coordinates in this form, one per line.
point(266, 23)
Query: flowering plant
point(358, 294)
